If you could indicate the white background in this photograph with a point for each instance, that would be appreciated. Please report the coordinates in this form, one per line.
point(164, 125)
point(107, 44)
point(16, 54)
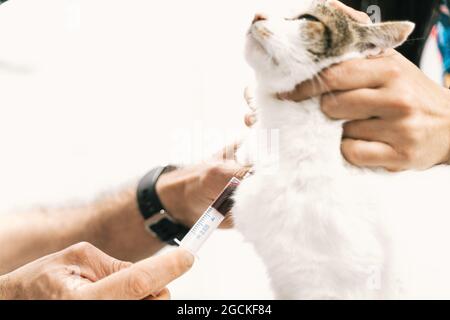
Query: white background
point(91, 92)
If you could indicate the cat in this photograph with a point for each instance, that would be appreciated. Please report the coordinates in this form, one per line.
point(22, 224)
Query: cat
point(323, 228)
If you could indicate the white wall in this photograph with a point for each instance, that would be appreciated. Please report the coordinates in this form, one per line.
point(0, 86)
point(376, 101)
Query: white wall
point(90, 91)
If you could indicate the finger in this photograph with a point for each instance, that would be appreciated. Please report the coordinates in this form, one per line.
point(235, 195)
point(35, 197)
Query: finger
point(250, 119)
point(357, 15)
point(357, 104)
point(228, 223)
point(249, 96)
point(368, 130)
point(370, 154)
point(229, 152)
point(349, 75)
point(143, 279)
point(92, 263)
point(162, 296)
point(224, 172)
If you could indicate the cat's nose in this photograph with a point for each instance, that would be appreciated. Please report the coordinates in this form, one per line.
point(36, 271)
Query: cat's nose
point(259, 17)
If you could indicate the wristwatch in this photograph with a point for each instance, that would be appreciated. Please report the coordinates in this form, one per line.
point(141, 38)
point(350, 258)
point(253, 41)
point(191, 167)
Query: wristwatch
point(158, 221)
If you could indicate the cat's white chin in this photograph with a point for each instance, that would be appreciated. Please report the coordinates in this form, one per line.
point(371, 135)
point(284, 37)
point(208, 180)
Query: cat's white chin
point(257, 54)
point(254, 48)
point(273, 76)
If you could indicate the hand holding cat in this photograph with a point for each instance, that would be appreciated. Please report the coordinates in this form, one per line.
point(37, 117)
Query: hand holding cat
point(400, 119)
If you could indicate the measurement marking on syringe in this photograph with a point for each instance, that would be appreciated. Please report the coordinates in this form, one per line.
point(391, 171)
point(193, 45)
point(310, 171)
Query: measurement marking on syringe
point(210, 220)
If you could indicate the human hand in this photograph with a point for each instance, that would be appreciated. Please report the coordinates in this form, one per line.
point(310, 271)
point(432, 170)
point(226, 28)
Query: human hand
point(249, 96)
point(399, 118)
point(84, 272)
point(187, 192)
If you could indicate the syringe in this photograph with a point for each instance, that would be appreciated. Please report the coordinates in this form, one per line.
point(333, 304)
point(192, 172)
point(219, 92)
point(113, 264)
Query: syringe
point(210, 220)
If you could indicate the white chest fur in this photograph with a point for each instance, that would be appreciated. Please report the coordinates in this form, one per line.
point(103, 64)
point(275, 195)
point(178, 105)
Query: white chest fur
point(328, 230)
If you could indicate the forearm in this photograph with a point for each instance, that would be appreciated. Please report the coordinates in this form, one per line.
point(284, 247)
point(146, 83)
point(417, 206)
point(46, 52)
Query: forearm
point(118, 228)
point(112, 223)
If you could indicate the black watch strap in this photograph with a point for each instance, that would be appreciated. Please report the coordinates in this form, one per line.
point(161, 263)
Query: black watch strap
point(158, 222)
point(167, 231)
point(148, 200)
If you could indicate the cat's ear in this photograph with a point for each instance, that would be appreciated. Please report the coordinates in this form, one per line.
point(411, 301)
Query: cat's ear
point(383, 36)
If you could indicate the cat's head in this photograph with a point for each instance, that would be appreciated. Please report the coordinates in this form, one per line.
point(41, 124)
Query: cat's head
point(285, 51)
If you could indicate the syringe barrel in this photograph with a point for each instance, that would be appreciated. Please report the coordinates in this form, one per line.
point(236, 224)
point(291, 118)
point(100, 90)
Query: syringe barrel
point(202, 230)
point(211, 219)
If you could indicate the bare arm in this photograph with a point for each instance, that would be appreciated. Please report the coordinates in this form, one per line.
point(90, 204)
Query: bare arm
point(111, 223)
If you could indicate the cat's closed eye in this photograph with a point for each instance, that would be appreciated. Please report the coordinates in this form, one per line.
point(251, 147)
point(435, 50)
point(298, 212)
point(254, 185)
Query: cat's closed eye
point(308, 17)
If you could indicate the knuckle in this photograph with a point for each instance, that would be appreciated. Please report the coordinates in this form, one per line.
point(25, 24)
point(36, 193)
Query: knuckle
point(405, 104)
point(213, 171)
point(331, 76)
point(82, 249)
point(207, 173)
point(351, 153)
point(325, 104)
point(140, 283)
point(118, 265)
point(411, 131)
point(409, 156)
point(394, 72)
point(335, 106)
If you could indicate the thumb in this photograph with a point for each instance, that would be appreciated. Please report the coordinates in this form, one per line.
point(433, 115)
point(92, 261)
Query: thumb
point(142, 279)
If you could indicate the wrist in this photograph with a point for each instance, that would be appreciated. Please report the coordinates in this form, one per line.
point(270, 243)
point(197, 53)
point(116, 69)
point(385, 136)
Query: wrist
point(170, 189)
